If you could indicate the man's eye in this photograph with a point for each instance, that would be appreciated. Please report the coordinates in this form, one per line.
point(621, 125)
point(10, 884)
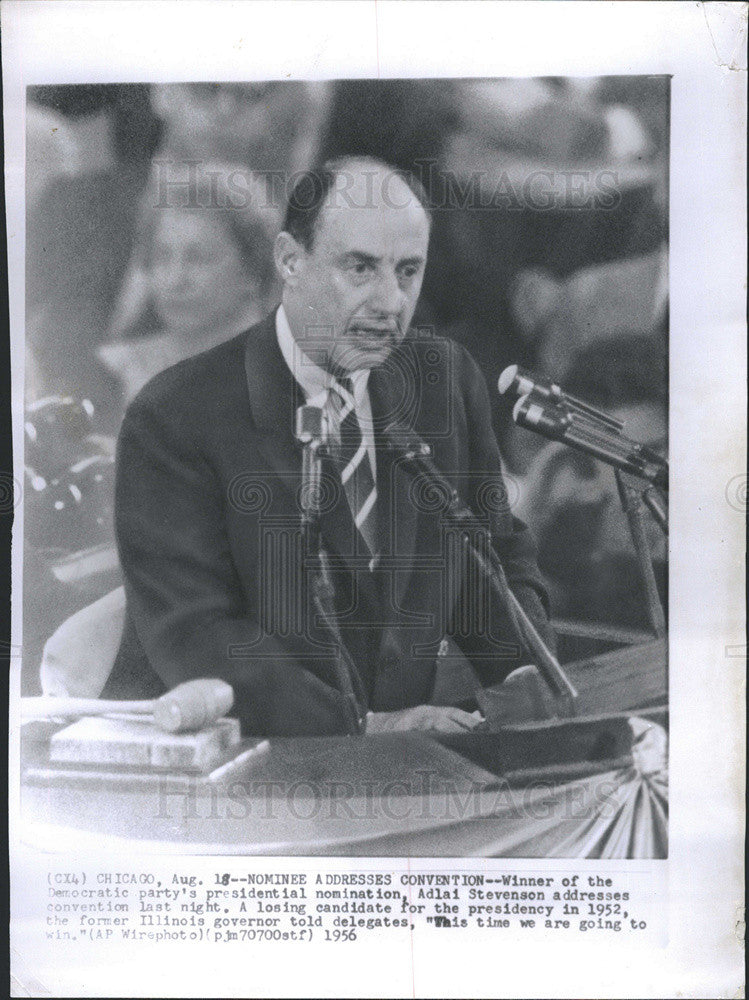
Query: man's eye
point(409, 271)
point(359, 271)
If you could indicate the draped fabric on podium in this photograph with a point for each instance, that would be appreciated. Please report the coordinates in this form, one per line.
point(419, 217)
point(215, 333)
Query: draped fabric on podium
point(610, 814)
point(440, 806)
point(631, 821)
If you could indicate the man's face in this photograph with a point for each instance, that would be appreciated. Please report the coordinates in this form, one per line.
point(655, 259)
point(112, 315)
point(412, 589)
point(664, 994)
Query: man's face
point(350, 299)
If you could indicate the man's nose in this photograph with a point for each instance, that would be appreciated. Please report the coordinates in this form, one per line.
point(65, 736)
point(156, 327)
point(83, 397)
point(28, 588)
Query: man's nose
point(387, 296)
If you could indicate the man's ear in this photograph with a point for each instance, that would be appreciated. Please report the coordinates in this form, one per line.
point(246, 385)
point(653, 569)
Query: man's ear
point(289, 256)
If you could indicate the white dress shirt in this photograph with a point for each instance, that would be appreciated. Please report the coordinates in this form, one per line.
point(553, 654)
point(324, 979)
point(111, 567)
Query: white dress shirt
point(317, 385)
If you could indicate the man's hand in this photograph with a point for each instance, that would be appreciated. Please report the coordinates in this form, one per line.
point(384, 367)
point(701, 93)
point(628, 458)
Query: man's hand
point(423, 717)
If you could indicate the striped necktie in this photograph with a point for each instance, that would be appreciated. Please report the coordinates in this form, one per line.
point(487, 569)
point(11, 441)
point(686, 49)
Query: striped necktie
point(355, 467)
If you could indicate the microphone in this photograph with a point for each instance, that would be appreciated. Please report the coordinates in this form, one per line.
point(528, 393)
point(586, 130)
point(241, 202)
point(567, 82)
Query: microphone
point(310, 424)
point(406, 443)
point(311, 432)
point(185, 709)
point(523, 383)
point(534, 412)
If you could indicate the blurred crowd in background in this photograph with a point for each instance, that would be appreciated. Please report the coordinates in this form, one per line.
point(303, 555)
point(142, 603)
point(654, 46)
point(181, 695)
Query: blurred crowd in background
point(151, 214)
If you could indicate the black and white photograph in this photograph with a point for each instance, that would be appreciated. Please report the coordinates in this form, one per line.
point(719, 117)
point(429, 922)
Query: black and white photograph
point(346, 430)
point(342, 415)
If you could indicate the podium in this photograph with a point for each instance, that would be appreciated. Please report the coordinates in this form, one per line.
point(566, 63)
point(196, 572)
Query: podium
point(593, 786)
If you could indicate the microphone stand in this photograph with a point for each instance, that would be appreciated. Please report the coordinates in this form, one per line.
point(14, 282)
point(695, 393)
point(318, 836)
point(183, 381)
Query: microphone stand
point(655, 504)
point(632, 499)
point(311, 432)
point(417, 454)
point(561, 418)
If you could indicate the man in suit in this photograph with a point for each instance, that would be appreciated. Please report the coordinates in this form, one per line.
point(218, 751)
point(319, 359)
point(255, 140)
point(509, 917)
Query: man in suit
point(207, 504)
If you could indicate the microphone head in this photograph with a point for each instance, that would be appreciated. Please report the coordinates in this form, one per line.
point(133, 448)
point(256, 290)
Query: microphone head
point(310, 424)
point(521, 401)
point(193, 705)
point(523, 382)
point(506, 379)
point(400, 437)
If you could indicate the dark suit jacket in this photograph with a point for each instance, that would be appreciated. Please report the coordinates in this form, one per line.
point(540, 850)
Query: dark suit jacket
point(207, 519)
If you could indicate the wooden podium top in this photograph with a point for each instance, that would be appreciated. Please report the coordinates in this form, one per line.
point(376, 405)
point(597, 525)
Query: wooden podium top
point(386, 795)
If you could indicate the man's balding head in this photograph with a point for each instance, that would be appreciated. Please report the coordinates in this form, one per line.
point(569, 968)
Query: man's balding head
point(352, 258)
point(348, 182)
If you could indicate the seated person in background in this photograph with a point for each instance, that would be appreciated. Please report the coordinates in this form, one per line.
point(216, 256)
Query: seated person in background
point(201, 273)
point(207, 504)
point(571, 500)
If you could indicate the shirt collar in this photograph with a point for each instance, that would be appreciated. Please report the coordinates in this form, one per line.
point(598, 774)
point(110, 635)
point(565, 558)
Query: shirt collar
point(313, 379)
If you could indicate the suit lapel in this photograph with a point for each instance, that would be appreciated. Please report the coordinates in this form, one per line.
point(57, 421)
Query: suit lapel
point(274, 398)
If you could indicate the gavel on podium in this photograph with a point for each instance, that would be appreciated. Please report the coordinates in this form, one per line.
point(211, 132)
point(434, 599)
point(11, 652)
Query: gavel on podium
point(187, 708)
